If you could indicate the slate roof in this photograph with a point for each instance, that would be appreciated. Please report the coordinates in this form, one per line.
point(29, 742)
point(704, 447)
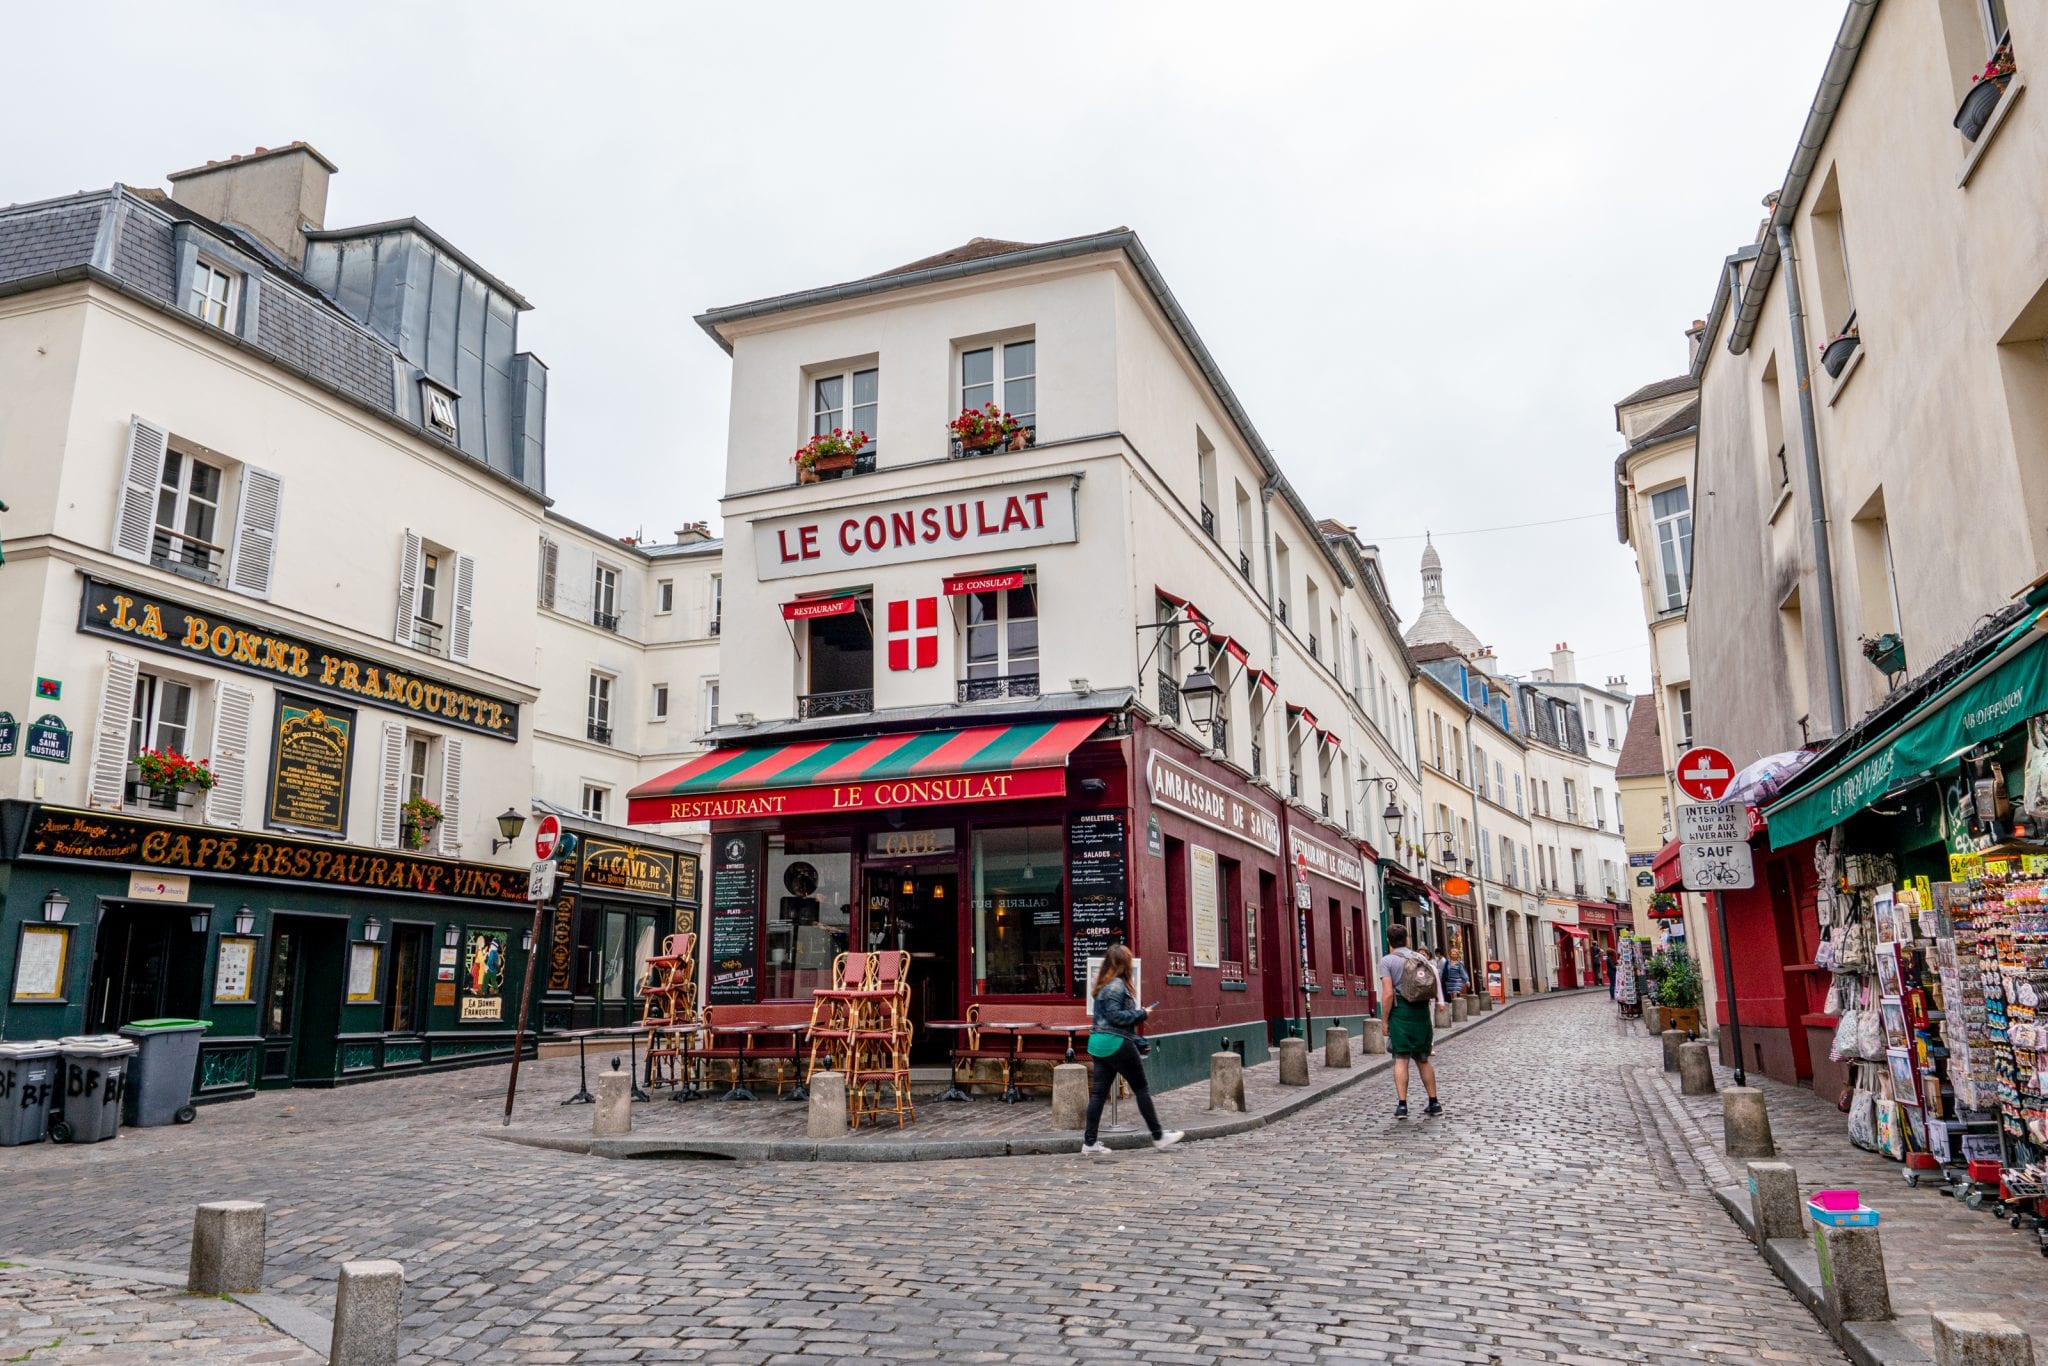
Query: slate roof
point(1642, 749)
point(1663, 388)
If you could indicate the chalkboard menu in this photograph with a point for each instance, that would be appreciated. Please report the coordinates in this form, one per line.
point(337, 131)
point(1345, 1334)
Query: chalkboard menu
point(1100, 890)
point(310, 748)
point(735, 918)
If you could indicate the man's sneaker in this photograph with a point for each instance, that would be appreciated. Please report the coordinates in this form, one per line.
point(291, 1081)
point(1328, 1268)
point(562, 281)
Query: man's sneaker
point(1167, 1139)
point(1435, 1108)
point(1095, 1149)
point(1401, 1109)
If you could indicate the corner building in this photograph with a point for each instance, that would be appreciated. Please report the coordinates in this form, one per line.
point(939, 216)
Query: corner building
point(953, 717)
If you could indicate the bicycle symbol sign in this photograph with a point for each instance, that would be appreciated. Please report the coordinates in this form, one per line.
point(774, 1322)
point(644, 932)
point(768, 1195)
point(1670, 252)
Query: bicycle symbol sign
point(1717, 867)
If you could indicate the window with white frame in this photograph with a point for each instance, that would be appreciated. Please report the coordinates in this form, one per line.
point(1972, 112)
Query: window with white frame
point(1002, 637)
point(717, 603)
point(161, 721)
point(1685, 718)
point(597, 801)
point(213, 294)
point(437, 405)
point(426, 627)
point(1600, 806)
point(847, 401)
point(1010, 370)
point(188, 500)
point(658, 708)
point(1518, 794)
point(604, 597)
point(419, 766)
point(1671, 520)
point(664, 597)
point(710, 704)
point(598, 710)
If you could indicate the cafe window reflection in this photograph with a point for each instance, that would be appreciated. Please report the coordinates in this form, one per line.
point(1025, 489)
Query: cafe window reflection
point(810, 902)
point(1019, 912)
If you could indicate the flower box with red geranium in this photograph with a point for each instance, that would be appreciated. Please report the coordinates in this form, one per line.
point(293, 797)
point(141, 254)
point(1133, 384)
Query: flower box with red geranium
point(1987, 88)
point(164, 776)
point(418, 818)
point(979, 430)
point(830, 452)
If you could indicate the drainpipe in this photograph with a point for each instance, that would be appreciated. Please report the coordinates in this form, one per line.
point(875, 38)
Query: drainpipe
point(1266, 492)
point(1823, 560)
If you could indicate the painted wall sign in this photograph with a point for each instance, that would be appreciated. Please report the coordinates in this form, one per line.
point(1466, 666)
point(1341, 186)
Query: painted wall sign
point(1179, 788)
point(483, 977)
point(10, 734)
point(1000, 581)
point(1098, 886)
point(735, 917)
point(561, 960)
point(97, 837)
point(628, 868)
point(808, 609)
point(49, 739)
point(885, 844)
point(49, 690)
point(881, 795)
point(155, 622)
point(931, 526)
point(310, 749)
point(1338, 865)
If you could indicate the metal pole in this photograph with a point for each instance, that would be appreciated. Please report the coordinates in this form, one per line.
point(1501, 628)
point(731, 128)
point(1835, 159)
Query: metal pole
point(525, 1003)
point(1728, 985)
point(1816, 497)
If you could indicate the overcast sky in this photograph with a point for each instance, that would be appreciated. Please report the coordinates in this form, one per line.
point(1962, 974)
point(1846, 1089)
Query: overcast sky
point(1428, 255)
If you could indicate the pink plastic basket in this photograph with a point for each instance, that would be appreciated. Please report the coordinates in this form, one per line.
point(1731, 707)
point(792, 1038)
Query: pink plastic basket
point(1836, 1200)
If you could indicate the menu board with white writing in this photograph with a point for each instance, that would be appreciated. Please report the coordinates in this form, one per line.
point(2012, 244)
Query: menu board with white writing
point(1202, 927)
point(1099, 886)
point(735, 918)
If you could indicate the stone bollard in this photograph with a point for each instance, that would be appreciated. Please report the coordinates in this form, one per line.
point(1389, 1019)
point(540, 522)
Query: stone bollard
point(1443, 1017)
point(1294, 1062)
point(1674, 1039)
point(1460, 1010)
point(1483, 1000)
point(1226, 1082)
point(1852, 1274)
point(366, 1315)
point(1980, 1340)
point(1372, 1035)
point(1070, 1095)
point(227, 1248)
point(1337, 1047)
point(1696, 1069)
point(826, 1115)
point(1745, 1123)
point(613, 1113)
point(1774, 1206)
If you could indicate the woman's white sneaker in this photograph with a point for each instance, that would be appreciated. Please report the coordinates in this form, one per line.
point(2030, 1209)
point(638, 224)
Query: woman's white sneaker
point(1095, 1149)
point(1167, 1139)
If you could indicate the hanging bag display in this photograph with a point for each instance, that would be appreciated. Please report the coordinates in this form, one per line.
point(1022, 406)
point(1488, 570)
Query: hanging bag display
point(1845, 1044)
point(1863, 1111)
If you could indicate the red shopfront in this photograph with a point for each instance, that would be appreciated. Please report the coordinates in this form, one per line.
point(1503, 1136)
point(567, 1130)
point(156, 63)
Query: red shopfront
point(1598, 920)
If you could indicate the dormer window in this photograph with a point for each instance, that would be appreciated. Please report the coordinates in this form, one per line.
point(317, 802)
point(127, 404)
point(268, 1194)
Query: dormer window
point(438, 406)
point(215, 290)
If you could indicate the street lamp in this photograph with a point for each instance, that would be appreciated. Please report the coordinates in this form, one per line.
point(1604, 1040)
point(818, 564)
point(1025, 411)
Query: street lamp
point(372, 928)
point(509, 825)
point(1391, 817)
point(200, 919)
point(452, 936)
point(245, 920)
point(54, 906)
point(1200, 693)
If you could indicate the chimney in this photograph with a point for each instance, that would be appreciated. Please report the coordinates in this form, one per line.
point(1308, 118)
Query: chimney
point(1563, 664)
point(1695, 337)
point(693, 533)
point(1617, 682)
point(1487, 662)
point(275, 194)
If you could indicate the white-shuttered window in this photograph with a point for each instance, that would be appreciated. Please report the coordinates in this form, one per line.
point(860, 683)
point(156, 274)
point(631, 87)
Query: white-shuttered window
point(187, 533)
point(436, 598)
point(710, 704)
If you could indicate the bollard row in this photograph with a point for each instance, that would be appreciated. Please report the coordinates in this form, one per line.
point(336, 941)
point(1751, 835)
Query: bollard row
point(227, 1258)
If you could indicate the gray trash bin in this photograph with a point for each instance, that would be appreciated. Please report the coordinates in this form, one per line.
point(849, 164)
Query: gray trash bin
point(159, 1088)
point(28, 1078)
point(92, 1076)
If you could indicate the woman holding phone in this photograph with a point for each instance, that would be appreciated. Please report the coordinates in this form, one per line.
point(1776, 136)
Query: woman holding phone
point(1114, 1047)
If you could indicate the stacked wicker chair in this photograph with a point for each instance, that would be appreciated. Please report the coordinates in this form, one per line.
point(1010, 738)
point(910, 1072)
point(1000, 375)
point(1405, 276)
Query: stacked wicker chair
point(668, 1007)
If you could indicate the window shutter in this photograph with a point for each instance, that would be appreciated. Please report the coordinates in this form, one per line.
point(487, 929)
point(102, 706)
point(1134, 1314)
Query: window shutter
point(451, 796)
point(255, 533)
point(108, 782)
point(550, 555)
point(233, 708)
point(391, 792)
point(408, 587)
point(464, 612)
point(135, 501)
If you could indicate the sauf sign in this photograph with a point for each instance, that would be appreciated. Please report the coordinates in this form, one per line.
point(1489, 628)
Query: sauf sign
point(926, 527)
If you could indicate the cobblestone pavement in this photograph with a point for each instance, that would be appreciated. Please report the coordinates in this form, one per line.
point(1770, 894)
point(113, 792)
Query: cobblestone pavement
point(1937, 1253)
point(48, 1316)
point(1527, 1224)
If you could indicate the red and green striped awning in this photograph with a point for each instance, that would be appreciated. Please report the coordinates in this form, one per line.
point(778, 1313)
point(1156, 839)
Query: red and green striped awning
point(876, 772)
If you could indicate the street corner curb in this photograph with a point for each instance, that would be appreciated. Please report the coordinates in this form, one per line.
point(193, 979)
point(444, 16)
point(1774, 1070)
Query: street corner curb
point(290, 1317)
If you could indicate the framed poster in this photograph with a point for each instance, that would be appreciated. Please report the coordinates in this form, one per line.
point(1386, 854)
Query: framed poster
point(1888, 970)
point(40, 963)
point(363, 977)
point(1900, 1063)
point(483, 977)
point(1895, 1032)
point(310, 749)
point(234, 970)
point(1203, 949)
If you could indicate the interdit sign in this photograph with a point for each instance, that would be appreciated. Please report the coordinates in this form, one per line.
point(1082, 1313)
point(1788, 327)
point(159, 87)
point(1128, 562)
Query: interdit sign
point(926, 527)
point(1179, 788)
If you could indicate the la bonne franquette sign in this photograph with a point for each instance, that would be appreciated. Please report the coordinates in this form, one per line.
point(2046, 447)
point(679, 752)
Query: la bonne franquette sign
point(996, 518)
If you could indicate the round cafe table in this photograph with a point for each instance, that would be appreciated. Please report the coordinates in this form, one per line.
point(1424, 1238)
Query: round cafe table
point(745, 1029)
point(1016, 1029)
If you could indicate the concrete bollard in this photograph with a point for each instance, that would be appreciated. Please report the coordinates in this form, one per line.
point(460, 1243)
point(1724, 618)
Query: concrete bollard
point(1372, 1036)
point(1070, 1095)
point(366, 1315)
point(1674, 1039)
point(1294, 1062)
point(1483, 1000)
point(1337, 1047)
point(826, 1115)
point(1696, 1069)
point(227, 1248)
point(1774, 1206)
point(613, 1113)
point(1746, 1123)
point(1980, 1340)
point(1443, 1017)
point(1226, 1082)
point(1852, 1274)
point(1460, 1011)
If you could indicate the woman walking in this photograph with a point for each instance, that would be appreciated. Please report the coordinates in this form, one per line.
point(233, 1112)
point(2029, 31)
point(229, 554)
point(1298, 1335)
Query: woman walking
point(1114, 1047)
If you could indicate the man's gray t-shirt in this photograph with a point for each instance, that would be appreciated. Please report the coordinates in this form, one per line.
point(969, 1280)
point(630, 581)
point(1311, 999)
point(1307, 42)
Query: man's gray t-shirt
point(1390, 969)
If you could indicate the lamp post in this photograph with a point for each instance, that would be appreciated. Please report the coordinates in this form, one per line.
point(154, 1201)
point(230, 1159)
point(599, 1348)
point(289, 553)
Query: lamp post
point(1200, 693)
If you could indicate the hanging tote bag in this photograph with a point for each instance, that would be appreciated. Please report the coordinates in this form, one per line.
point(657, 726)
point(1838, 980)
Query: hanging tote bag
point(1863, 1112)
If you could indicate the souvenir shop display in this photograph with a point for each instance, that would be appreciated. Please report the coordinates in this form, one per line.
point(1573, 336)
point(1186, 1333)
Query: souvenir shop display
point(1628, 968)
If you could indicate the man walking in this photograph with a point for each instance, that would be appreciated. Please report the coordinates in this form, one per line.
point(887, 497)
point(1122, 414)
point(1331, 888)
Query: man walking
point(1412, 990)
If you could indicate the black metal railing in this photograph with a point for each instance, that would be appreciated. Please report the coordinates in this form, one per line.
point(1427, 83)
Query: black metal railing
point(989, 689)
point(183, 556)
point(957, 449)
point(1258, 761)
point(1314, 647)
point(426, 635)
point(714, 626)
point(604, 621)
point(1244, 565)
point(599, 732)
point(161, 798)
point(1209, 521)
point(1578, 889)
point(1219, 734)
point(848, 702)
point(1326, 806)
point(1280, 608)
point(1169, 698)
point(863, 463)
point(1294, 785)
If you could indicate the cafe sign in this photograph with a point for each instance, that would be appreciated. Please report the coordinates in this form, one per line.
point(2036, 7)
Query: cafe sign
point(628, 868)
point(886, 794)
point(1000, 517)
point(155, 622)
point(1178, 788)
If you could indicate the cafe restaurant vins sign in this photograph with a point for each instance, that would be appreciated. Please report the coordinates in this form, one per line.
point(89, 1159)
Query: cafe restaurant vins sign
point(1000, 517)
point(154, 622)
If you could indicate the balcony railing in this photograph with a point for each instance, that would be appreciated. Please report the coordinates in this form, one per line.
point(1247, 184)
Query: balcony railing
point(160, 798)
point(958, 451)
point(1258, 761)
point(1219, 734)
point(863, 463)
point(1176, 964)
point(1294, 785)
point(186, 557)
point(1209, 521)
point(1244, 565)
point(599, 732)
point(1280, 609)
point(714, 627)
point(1169, 698)
point(1231, 974)
point(1325, 804)
point(1578, 889)
point(990, 689)
point(426, 635)
point(1314, 648)
point(849, 702)
point(604, 621)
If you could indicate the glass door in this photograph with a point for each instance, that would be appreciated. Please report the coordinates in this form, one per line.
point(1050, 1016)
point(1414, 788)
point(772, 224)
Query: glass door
point(281, 1005)
point(911, 909)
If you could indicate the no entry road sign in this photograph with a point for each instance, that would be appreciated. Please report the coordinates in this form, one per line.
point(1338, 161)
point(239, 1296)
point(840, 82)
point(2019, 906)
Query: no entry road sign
point(1705, 774)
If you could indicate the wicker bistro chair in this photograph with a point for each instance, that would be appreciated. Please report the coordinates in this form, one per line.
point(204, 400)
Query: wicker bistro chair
point(668, 1007)
point(881, 1044)
point(833, 1010)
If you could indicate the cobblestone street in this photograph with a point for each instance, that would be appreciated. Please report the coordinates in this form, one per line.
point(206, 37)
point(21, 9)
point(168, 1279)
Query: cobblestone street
point(1526, 1225)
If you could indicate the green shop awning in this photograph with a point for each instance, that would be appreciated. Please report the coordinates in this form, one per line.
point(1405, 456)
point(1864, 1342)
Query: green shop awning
point(2008, 688)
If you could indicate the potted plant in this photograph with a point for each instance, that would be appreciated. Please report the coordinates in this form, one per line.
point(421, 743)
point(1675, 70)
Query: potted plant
point(827, 453)
point(1887, 652)
point(979, 430)
point(1836, 353)
point(1679, 992)
point(167, 776)
point(417, 819)
point(1987, 88)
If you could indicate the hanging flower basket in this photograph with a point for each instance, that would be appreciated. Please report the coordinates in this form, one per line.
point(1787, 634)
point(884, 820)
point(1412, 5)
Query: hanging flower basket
point(417, 819)
point(1835, 355)
point(1987, 88)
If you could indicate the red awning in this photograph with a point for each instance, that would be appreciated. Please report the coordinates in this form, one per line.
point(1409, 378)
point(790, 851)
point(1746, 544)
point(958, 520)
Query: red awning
point(1231, 648)
point(1330, 738)
point(805, 609)
point(995, 581)
point(1664, 871)
point(1304, 713)
point(1194, 613)
point(1573, 930)
point(1266, 681)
